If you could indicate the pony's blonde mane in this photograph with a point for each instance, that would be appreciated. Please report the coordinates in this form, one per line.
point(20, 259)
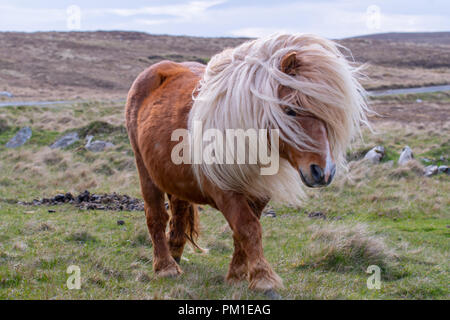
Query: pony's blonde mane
point(240, 90)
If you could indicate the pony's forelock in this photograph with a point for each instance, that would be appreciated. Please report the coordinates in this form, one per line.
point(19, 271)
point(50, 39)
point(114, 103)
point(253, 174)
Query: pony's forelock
point(240, 90)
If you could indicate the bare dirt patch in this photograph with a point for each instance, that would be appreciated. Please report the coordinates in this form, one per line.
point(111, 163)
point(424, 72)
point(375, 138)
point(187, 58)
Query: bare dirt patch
point(88, 201)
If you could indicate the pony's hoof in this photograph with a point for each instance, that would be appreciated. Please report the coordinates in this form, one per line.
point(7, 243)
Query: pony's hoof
point(268, 282)
point(272, 295)
point(171, 271)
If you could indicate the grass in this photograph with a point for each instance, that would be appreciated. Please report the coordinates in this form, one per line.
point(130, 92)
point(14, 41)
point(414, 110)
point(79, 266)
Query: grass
point(382, 215)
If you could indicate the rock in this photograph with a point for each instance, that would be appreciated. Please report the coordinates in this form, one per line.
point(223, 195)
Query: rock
point(270, 213)
point(426, 160)
point(375, 154)
point(430, 170)
point(20, 138)
point(59, 198)
point(120, 222)
point(83, 197)
point(405, 156)
point(97, 145)
point(6, 94)
point(444, 169)
point(65, 141)
point(317, 215)
point(51, 211)
point(419, 100)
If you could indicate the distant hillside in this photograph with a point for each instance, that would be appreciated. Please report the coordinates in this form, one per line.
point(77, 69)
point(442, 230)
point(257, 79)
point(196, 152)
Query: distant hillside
point(73, 65)
point(424, 37)
point(428, 50)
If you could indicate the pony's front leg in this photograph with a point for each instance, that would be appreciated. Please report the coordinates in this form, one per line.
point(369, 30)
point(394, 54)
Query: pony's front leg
point(247, 231)
point(238, 270)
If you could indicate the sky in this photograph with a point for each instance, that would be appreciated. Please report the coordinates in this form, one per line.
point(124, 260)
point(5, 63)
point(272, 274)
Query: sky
point(228, 18)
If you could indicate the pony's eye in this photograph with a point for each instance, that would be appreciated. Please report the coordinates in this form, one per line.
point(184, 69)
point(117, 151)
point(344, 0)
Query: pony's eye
point(291, 112)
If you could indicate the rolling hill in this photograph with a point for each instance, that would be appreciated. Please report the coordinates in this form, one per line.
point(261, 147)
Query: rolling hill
point(102, 65)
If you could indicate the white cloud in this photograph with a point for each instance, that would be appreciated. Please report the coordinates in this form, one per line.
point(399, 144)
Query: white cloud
point(181, 12)
point(257, 32)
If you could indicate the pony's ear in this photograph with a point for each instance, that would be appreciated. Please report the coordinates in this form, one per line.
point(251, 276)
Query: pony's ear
point(289, 63)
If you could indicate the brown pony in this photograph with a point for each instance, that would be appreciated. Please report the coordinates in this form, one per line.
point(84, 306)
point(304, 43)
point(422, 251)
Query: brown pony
point(299, 84)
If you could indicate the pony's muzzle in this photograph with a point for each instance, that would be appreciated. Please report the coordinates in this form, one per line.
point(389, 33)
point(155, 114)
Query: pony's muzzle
point(317, 176)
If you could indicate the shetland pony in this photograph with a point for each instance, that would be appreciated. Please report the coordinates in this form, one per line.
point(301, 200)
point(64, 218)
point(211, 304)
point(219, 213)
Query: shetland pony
point(300, 84)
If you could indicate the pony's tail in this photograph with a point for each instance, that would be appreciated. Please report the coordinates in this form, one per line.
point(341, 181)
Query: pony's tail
point(193, 226)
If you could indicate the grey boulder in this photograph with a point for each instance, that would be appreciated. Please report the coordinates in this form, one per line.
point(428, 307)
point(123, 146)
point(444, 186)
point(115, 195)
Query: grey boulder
point(444, 169)
point(97, 145)
point(375, 154)
point(20, 138)
point(405, 156)
point(65, 141)
point(429, 171)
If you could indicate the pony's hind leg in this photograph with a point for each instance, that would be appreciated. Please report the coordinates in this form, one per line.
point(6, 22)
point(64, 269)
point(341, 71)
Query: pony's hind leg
point(178, 227)
point(157, 218)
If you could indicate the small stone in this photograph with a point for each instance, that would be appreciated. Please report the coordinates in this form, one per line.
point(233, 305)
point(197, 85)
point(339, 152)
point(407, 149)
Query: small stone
point(51, 211)
point(270, 213)
point(20, 138)
point(97, 145)
point(444, 169)
point(426, 160)
point(419, 100)
point(317, 215)
point(375, 154)
point(120, 222)
point(59, 198)
point(430, 170)
point(405, 156)
point(65, 141)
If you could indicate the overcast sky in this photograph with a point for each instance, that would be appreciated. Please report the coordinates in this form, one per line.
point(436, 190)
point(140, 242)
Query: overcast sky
point(252, 18)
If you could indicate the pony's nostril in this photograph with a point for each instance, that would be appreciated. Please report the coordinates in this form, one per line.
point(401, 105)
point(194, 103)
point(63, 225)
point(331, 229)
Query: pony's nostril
point(317, 173)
